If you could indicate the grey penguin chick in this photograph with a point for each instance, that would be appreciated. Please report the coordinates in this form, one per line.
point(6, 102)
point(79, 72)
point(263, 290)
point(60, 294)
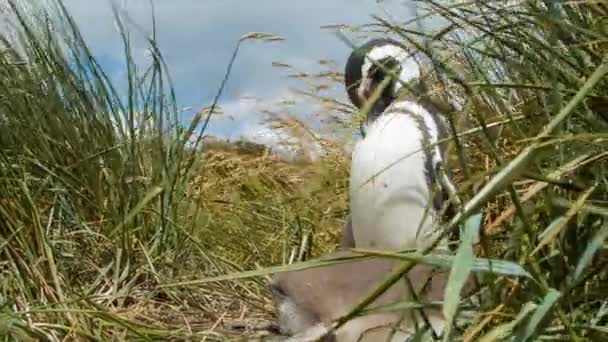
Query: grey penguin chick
point(308, 300)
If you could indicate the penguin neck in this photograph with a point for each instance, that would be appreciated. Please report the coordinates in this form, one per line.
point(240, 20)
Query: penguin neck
point(375, 111)
point(378, 108)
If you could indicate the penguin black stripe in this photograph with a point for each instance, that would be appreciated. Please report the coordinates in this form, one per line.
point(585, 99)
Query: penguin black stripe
point(430, 166)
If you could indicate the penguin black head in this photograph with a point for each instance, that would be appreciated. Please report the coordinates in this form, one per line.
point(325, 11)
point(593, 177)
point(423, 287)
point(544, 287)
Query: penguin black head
point(362, 75)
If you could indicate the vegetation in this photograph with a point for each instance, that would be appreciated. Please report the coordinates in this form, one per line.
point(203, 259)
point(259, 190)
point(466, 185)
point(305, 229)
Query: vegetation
point(113, 225)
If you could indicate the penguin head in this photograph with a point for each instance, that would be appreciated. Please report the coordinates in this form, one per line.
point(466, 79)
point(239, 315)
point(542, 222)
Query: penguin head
point(369, 64)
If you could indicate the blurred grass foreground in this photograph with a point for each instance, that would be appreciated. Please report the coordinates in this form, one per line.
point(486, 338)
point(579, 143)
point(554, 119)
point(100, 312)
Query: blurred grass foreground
point(105, 202)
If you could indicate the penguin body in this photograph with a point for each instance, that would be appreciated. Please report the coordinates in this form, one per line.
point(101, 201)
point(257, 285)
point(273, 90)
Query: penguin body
point(397, 184)
point(392, 175)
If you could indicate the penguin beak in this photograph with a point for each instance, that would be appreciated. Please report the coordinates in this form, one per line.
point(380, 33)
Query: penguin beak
point(365, 90)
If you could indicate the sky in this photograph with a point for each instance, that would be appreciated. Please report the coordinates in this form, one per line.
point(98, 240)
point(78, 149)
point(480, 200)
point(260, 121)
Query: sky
point(197, 38)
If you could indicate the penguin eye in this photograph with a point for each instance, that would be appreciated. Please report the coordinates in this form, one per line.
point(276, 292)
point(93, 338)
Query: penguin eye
point(376, 73)
point(385, 66)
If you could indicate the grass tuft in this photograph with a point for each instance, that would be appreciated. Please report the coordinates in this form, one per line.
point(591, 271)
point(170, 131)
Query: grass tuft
point(113, 225)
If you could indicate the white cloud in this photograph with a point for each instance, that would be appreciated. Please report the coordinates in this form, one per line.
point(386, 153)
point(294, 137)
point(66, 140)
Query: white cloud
point(281, 142)
point(242, 119)
point(197, 39)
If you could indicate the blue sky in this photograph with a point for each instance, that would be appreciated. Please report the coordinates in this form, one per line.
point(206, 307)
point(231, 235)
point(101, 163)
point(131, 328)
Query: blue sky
point(197, 38)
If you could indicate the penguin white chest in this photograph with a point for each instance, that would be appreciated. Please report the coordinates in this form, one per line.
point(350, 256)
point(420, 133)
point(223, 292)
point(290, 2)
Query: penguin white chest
point(389, 191)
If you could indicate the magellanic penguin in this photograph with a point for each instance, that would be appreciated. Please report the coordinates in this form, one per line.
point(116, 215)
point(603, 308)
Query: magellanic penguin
point(397, 186)
point(308, 301)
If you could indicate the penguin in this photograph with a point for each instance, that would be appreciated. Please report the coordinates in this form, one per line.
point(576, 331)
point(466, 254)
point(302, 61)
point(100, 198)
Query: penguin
point(307, 301)
point(397, 187)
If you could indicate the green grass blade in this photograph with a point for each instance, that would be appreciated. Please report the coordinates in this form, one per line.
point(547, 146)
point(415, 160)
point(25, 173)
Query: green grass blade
point(461, 269)
point(532, 326)
point(505, 330)
point(502, 267)
point(551, 232)
point(594, 245)
point(147, 198)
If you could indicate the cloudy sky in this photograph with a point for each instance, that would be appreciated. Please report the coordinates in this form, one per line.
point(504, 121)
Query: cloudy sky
point(197, 38)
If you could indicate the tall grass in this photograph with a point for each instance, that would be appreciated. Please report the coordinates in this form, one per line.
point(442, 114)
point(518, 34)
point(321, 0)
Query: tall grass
point(540, 68)
point(103, 197)
point(107, 212)
point(90, 179)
